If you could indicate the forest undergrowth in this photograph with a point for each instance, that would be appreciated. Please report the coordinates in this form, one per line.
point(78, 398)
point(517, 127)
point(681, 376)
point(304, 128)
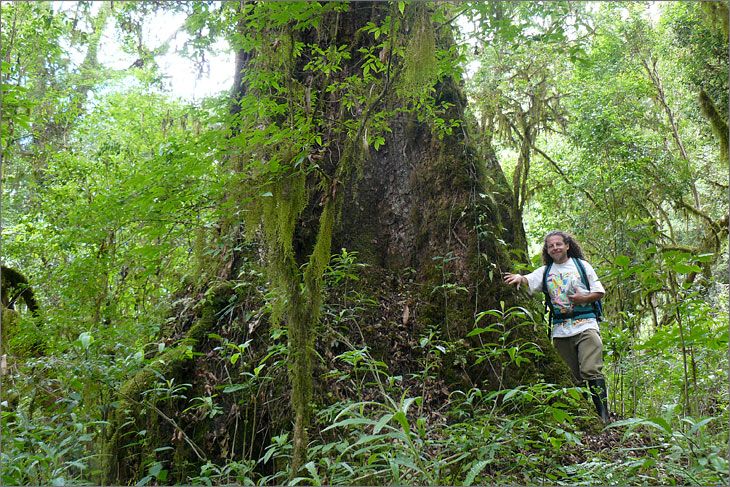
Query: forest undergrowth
point(377, 423)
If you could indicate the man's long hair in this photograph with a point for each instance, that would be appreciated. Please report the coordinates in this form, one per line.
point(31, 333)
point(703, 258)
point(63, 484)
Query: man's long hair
point(574, 249)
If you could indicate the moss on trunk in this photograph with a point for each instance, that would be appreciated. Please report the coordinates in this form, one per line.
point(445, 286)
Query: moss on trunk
point(139, 427)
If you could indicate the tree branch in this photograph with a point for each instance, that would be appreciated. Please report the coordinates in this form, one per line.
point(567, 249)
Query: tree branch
point(562, 174)
point(717, 122)
point(657, 82)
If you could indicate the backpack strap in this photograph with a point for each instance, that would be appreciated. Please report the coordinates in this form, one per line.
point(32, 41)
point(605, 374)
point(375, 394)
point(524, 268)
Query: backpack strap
point(582, 271)
point(548, 301)
point(596, 305)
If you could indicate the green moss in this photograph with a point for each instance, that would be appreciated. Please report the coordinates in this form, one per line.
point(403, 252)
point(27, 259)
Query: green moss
point(122, 459)
point(279, 215)
point(420, 70)
point(321, 254)
point(717, 15)
point(717, 122)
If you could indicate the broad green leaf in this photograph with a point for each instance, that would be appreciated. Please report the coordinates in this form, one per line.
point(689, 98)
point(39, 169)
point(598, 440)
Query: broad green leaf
point(233, 388)
point(683, 268)
point(350, 422)
point(511, 393)
point(698, 425)
point(475, 470)
point(86, 340)
point(382, 422)
point(403, 420)
point(560, 415)
point(312, 469)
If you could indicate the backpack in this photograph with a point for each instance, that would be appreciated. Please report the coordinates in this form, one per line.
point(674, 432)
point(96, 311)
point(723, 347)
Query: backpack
point(593, 310)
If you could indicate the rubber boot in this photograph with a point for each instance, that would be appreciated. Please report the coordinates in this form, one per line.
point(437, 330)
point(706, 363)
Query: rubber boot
point(600, 398)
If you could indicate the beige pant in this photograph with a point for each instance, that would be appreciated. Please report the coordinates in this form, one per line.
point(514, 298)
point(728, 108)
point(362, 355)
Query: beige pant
point(583, 353)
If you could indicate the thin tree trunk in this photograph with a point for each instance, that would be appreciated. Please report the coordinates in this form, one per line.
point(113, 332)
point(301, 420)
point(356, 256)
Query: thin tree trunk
point(656, 80)
point(683, 344)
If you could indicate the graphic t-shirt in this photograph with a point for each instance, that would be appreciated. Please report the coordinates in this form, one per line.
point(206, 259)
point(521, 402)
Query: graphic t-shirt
point(563, 281)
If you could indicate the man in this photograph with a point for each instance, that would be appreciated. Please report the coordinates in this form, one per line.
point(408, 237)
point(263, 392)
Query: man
point(573, 313)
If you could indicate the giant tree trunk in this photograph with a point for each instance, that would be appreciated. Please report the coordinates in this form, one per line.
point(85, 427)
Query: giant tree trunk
point(426, 201)
point(431, 219)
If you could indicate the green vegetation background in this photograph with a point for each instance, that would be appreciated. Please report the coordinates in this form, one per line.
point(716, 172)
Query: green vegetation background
point(118, 203)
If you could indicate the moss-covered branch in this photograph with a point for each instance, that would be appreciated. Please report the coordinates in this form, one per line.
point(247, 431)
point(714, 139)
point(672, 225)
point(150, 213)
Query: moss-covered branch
point(717, 122)
point(121, 460)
